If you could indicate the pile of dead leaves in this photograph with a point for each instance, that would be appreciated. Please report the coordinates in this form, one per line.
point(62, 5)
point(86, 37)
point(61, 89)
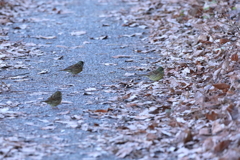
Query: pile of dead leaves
point(10, 9)
point(16, 146)
point(193, 113)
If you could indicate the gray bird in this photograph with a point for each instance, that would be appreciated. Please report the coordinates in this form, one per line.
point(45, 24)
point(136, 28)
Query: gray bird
point(55, 99)
point(75, 69)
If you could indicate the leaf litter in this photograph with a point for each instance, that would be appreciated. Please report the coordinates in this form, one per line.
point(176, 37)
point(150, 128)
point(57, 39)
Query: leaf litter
point(192, 113)
point(13, 56)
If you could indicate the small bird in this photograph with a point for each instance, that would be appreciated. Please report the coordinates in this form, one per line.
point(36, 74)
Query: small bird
point(75, 69)
point(55, 99)
point(155, 75)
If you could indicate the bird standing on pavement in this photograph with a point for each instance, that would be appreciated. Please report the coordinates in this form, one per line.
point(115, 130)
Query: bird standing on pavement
point(75, 69)
point(155, 75)
point(55, 99)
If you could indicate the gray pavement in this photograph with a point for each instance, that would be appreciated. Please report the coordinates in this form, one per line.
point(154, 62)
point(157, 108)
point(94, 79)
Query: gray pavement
point(57, 54)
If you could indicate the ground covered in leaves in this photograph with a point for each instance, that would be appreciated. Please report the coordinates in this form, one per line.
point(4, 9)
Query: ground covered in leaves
point(192, 113)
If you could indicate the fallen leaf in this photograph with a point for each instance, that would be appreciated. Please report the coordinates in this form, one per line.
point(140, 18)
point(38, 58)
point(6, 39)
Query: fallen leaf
point(220, 147)
point(61, 46)
point(221, 86)
point(234, 57)
point(208, 144)
point(77, 117)
point(110, 64)
point(105, 25)
point(212, 116)
point(233, 112)
point(45, 37)
point(129, 74)
point(122, 56)
point(101, 110)
point(78, 33)
point(101, 37)
point(44, 72)
point(124, 151)
point(67, 102)
point(48, 128)
point(88, 93)
point(223, 41)
point(205, 131)
point(64, 113)
point(184, 136)
point(129, 60)
point(90, 89)
point(217, 127)
point(86, 42)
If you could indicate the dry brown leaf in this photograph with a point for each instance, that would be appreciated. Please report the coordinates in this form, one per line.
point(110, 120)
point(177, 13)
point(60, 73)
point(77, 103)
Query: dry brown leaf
point(151, 136)
point(223, 41)
point(184, 136)
point(221, 86)
point(220, 147)
point(131, 105)
point(101, 110)
point(234, 57)
point(212, 116)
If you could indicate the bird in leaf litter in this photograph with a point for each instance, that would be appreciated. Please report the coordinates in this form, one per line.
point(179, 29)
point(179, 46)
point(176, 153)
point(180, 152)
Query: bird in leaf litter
point(155, 75)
